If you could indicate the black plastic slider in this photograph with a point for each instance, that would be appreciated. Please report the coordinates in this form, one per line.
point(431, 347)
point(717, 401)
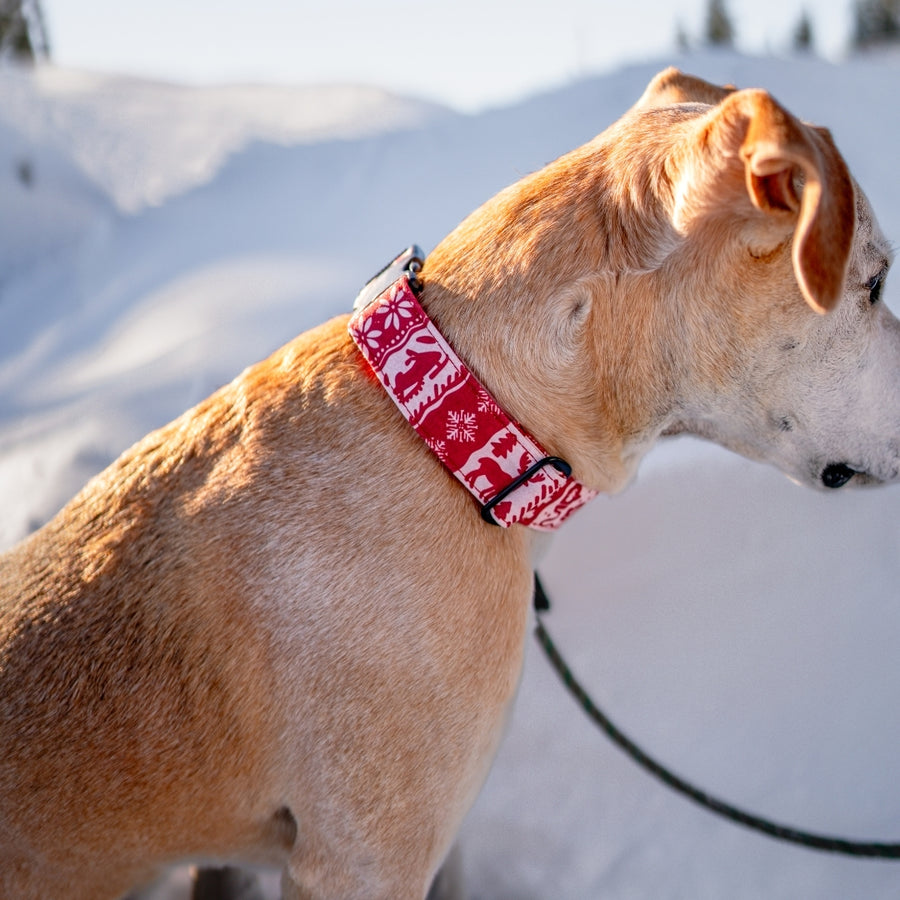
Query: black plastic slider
point(559, 464)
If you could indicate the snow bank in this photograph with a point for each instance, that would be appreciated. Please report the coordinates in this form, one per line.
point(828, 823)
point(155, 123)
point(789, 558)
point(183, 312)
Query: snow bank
point(145, 141)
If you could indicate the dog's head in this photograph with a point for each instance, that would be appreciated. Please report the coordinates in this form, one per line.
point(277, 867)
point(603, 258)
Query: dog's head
point(706, 265)
point(803, 368)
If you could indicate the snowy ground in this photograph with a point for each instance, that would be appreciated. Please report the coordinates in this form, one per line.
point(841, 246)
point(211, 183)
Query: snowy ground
point(155, 239)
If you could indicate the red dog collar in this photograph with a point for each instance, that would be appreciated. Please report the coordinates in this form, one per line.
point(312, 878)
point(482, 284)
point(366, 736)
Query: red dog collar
point(504, 468)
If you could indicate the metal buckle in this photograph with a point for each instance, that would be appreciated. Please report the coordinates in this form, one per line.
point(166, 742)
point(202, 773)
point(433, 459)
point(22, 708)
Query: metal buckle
point(408, 263)
point(559, 464)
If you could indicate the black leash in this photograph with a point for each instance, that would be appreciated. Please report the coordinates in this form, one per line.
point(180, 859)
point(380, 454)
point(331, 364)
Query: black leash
point(720, 807)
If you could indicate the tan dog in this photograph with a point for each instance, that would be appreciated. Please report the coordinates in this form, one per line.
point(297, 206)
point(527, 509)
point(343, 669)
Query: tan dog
point(277, 630)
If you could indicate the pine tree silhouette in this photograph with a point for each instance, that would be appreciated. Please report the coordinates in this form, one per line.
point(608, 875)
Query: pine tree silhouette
point(23, 32)
point(504, 446)
point(876, 23)
point(803, 34)
point(719, 30)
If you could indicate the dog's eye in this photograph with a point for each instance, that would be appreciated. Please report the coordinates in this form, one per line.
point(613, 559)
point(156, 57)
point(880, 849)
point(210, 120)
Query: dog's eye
point(875, 286)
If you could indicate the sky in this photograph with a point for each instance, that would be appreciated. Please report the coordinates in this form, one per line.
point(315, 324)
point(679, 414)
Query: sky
point(469, 54)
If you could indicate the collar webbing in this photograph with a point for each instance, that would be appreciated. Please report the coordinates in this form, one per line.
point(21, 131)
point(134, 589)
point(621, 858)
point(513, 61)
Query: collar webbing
point(505, 469)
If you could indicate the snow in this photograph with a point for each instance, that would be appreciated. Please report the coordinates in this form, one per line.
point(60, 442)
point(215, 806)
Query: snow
point(741, 628)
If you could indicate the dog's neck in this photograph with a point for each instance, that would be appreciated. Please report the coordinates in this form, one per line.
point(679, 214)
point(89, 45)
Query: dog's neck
point(550, 311)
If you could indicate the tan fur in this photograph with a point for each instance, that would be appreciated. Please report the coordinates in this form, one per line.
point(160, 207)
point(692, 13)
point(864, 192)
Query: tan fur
point(277, 629)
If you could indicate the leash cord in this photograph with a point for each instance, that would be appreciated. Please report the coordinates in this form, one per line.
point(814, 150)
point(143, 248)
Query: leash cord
point(701, 797)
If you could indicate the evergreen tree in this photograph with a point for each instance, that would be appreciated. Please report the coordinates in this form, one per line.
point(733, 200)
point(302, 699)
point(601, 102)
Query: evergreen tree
point(876, 22)
point(719, 30)
point(803, 34)
point(23, 34)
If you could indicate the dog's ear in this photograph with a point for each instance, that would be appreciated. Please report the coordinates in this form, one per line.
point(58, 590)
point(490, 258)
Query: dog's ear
point(794, 173)
point(672, 86)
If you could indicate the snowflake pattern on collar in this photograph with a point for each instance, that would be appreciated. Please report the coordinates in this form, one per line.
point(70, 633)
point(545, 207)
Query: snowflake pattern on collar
point(458, 419)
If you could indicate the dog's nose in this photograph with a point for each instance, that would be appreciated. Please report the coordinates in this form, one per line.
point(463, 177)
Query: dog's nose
point(836, 475)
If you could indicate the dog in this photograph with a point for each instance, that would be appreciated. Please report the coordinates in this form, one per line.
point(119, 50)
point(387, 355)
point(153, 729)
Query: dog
point(278, 631)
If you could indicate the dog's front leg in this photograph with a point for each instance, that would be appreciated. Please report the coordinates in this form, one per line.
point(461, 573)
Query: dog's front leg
point(292, 890)
point(346, 885)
